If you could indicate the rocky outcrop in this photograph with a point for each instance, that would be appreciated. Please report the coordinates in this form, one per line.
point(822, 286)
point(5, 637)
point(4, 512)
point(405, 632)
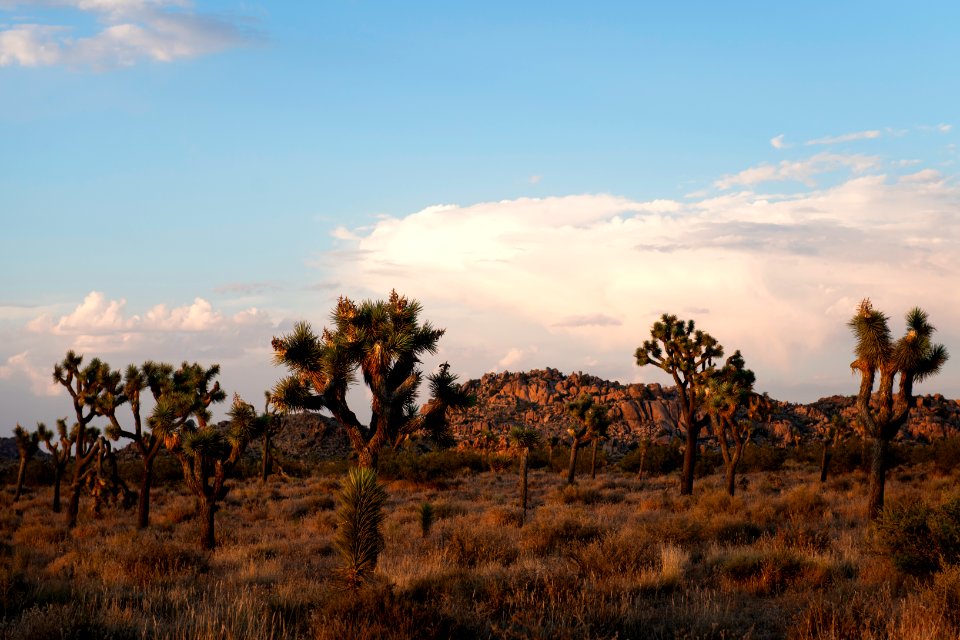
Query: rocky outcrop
point(538, 399)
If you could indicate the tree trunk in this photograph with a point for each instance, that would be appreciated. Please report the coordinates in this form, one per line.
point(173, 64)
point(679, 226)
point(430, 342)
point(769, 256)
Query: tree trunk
point(265, 462)
point(523, 486)
point(73, 507)
point(825, 462)
point(593, 460)
point(643, 457)
point(878, 477)
point(143, 506)
point(689, 462)
point(207, 509)
point(57, 477)
point(572, 470)
point(367, 459)
point(21, 474)
point(731, 479)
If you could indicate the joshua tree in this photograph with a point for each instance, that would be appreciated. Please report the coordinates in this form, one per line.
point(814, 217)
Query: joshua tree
point(272, 423)
point(27, 446)
point(912, 358)
point(206, 452)
point(524, 438)
point(359, 536)
point(59, 452)
point(159, 379)
point(727, 393)
point(687, 354)
point(88, 387)
point(384, 341)
point(592, 424)
point(830, 435)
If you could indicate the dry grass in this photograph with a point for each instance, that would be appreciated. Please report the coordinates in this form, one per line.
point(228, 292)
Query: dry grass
point(608, 558)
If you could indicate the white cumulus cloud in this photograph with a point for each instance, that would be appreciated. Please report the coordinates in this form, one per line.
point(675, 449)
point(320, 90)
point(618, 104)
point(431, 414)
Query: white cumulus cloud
point(129, 31)
point(846, 137)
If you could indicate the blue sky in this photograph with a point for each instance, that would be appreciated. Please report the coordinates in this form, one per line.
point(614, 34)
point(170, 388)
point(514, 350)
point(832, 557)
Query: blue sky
point(757, 166)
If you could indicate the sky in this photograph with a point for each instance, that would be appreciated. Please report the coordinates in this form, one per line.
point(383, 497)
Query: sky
point(184, 180)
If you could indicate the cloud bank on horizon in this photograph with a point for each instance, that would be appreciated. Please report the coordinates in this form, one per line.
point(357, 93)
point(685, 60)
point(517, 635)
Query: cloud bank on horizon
point(772, 261)
point(128, 32)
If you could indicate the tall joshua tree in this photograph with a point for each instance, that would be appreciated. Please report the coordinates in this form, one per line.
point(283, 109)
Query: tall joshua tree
point(383, 341)
point(688, 355)
point(272, 423)
point(592, 423)
point(524, 439)
point(830, 434)
point(27, 446)
point(88, 387)
point(728, 395)
point(206, 453)
point(912, 358)
point(160, 380)
point(60, 453)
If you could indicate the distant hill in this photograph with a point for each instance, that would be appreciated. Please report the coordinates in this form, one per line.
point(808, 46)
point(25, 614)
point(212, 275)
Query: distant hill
point(538, 399)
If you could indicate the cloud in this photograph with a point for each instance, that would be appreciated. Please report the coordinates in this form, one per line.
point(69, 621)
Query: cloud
point(584, 277)
point(777, 142)
point(799, 170)
point(944, 128)
point(846, 137)
point(130, 31)
point(534, 179)
point(591, 320)
point(41, 382)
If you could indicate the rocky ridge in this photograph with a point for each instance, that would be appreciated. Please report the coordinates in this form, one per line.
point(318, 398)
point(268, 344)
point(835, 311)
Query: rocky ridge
point(538, 399)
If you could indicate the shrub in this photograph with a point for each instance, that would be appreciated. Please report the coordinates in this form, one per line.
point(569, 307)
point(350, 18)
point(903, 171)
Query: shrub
point(660, 459)
point(920, 538)
point(359, 537)
point(428, 467)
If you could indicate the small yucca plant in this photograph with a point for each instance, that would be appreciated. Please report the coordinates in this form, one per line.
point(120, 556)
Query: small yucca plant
point(426, 518)
point(359, 525)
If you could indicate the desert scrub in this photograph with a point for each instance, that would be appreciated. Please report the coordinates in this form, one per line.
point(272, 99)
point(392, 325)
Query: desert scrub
point(920, 538)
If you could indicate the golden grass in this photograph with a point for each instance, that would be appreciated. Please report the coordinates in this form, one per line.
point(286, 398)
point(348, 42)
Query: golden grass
point(608, 558)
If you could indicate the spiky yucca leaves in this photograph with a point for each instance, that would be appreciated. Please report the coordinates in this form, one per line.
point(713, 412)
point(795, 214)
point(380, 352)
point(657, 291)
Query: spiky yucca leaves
point(688, 355)
point(592, 425)
point(359, 537)
point(383, 342)
point(726, 395)
point(60, 453)
point(524, 439)
point(912, 358)
point(272, 424)
point(91, 390)
point(27, 446)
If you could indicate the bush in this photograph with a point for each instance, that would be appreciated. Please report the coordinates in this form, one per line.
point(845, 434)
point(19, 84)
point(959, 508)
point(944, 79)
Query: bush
point(428, 467)
point(920, 539)
point(762, 458)
point(660, 459)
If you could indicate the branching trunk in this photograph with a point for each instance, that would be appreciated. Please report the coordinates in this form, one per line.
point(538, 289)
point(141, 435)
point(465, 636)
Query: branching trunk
point(21, 474)
point(878, 476)
point(689, 461)
point(523, 485)
point(572, 469)
point(825, 461)
point(57, 478)
point(208, 508)
point(265, 462)
point(143, 505)
point(593, 460)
